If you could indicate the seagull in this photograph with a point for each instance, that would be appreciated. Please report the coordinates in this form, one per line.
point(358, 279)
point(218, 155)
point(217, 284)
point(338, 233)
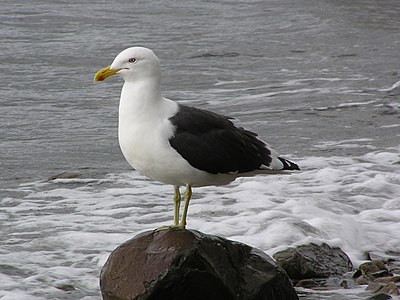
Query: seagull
point(177, 144)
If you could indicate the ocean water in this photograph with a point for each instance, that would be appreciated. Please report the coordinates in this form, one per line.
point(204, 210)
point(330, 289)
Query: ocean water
point(318, 80)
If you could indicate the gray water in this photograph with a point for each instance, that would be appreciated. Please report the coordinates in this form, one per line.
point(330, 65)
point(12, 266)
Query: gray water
point(311, 77)
point(331, 52)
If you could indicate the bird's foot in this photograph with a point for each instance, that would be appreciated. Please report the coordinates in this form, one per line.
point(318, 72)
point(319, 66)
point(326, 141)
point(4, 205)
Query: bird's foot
point(166, 227)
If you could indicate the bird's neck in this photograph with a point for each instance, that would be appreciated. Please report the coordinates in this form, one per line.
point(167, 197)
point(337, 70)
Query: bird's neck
point(140, 98)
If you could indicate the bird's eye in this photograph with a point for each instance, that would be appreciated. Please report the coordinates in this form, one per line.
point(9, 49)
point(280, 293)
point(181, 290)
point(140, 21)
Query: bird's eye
point(132, 60)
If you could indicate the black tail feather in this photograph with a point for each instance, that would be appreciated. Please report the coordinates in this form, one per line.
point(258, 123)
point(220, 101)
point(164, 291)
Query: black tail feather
point(288, 165)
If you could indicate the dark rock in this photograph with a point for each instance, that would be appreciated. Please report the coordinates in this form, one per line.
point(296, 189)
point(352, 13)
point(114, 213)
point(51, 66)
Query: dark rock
point(313, 261)
point(346, 281)
point(344, 284)
point(363, 279)
point(388, 279)
point(383, 288)
point(330, 283)
point(186, 264)
point(375, 287)
point(308, 283)
point(367, 268)
point(369, 271)
point(381, 273)
point(390, 289)
point(386, 285)
point(371, 267)
point(380, 296)
point(66, 287)
point(357, 273)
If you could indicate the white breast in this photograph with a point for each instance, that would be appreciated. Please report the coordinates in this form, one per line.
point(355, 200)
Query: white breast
point(144, 132)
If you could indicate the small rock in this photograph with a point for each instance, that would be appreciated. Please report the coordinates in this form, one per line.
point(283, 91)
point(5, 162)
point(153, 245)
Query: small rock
point(369, 271)
point(382, 273)
point(187, 264)
point(390, 289)
point(308, 283)
point(385, 285)
point(363, 279)
point(372, 267)
point(344, 284)
point(313, 261)
point(380, 296)
point(388, 279)
point(357, 274)
point(66, 287)
point(375, 287)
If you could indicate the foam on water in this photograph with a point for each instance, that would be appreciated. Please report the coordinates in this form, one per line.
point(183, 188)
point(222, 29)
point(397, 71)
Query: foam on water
point(58, 236)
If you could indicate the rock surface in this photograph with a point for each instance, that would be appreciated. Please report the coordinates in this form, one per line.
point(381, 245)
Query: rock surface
point(185, 264)
point(371, 270)
point(313, 261)
point(379, 278)
point(385, 285)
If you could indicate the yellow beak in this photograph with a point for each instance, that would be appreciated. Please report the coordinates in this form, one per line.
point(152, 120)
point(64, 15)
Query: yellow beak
point(104, 74)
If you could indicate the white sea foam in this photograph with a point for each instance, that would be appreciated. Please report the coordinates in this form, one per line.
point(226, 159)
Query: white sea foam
point(60, 234)
point(394, 86)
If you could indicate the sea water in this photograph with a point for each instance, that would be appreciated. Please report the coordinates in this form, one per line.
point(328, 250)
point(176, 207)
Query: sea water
point(318, 80)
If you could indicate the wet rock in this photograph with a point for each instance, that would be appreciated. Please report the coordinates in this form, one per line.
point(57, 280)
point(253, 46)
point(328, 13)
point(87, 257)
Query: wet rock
point(371, 270)
point(386, 285)
point(382, 273)
point(379, 279)
point(186, 264)
point(313, 261)
point(380, 296)
point(363, 279)
point(390, 289)
point(330, 283)
point(374, 287)
point(344, 284)
point(66, 287)
point(371, 267)
point(388, 279)
point(308, 283)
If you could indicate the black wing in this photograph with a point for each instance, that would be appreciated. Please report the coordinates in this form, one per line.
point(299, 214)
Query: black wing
point(210, 142)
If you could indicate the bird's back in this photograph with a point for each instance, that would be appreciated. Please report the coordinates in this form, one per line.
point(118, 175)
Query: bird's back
point(212, 143)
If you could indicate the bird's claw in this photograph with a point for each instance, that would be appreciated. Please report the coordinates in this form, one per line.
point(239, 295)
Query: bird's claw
point(166, 227)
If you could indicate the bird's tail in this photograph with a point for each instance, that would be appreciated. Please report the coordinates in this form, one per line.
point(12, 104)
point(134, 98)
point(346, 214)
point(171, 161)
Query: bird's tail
point(288, 165)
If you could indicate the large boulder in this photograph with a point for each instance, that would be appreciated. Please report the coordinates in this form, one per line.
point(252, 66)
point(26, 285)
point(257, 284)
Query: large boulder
point(313, 261)
point(186, 264)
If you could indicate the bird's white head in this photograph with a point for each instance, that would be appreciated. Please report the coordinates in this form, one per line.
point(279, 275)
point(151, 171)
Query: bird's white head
point(132, 64)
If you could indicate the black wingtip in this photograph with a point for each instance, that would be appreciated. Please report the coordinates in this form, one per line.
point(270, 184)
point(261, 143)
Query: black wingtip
point(288, 165)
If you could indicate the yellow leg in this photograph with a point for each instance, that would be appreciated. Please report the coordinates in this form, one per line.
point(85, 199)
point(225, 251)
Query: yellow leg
point(188, 195)
point(177, 203)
